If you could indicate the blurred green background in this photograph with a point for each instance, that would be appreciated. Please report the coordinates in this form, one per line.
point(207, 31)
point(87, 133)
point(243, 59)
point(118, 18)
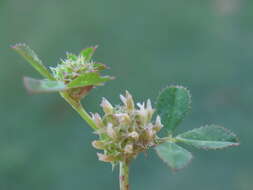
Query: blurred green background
point(204, 45)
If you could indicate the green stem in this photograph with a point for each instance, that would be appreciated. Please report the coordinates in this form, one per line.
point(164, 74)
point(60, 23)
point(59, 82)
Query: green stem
point(123, 175)
point(76, 105)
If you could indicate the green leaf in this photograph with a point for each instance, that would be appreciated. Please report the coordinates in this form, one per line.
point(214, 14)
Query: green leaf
point(71, 56)
point(88, 79)
point(33, 59)
point(40, 86)
point(173, 104)
point(88, 52)
point(100, 66)
point(173, 155)
point(209, 137)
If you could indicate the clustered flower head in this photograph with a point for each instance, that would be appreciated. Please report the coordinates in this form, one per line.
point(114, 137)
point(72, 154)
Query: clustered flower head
point(125, 130)
point(75, 66)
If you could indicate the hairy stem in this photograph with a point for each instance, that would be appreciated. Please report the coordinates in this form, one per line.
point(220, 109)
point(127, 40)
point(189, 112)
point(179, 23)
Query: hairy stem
point(123, 175)
point(76, 105)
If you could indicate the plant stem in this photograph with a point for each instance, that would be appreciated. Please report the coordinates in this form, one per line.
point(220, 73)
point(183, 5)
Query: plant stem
point(123, 175)
point(76, 105)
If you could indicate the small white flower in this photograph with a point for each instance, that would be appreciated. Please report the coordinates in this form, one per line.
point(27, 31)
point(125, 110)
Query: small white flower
point(123, 118)
point(158, 120)
point(98, 144)
point(129, 101)
point(123, 99)
point(110, 131)
point(143, 113)
point(150, 131)
point(158, 125)
point(98, 120)
point(134, 135)
point(105, 158)
point(128, 149)
point(150, 110)
point(106, 105)
point(141, 106)
point(149, 106)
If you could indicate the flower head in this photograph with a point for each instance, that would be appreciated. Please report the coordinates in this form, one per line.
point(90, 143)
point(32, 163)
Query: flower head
point(126, 130)
point(80, 73)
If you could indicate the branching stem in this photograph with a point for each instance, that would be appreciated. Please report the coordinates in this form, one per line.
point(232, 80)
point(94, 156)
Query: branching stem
point(76, 105)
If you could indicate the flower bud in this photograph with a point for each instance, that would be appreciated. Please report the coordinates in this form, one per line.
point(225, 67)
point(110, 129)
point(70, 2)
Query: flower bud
point(150, 132)
point(134, 135)
point(129, 101)
point(123, 118)
point(149, 110)
point(128, 149)
point(98, 120)
point(107, 107)
point(123, 99)
point(142, 114)
point(158, 125)
point(106, 158)
point(110, 131)
point(98, 144)
point(111, 118)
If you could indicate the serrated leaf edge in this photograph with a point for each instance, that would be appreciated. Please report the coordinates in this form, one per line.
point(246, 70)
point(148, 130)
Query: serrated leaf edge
point(208, 148)
point(176, 169)
point(46, 73)
point(176, 86)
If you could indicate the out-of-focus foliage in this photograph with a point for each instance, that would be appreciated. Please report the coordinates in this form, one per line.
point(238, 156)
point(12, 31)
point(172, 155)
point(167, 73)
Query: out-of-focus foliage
point(204, 45)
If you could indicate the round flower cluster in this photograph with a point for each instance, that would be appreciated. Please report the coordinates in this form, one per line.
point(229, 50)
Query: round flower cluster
point(125, 130)
point(73, 67)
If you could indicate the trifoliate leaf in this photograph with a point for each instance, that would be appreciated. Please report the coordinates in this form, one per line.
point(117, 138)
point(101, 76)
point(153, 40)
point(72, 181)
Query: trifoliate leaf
point(88, 52)
point(27, 53)
point(40, 86)
point(174, 155)
point(209, 137)
point(173, 104)
point(88, 79)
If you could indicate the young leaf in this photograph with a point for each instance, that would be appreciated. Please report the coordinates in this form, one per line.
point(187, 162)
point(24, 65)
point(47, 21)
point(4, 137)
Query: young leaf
point(40, 86)
point(71, 56)
point(88, 52)
point(173, 104)
point(88, 79)
point(209, 137)
point(27, 53)
point(173, 155)
point(100, 66)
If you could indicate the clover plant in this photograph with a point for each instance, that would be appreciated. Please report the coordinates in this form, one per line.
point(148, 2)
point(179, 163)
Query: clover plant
point(128, 129)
